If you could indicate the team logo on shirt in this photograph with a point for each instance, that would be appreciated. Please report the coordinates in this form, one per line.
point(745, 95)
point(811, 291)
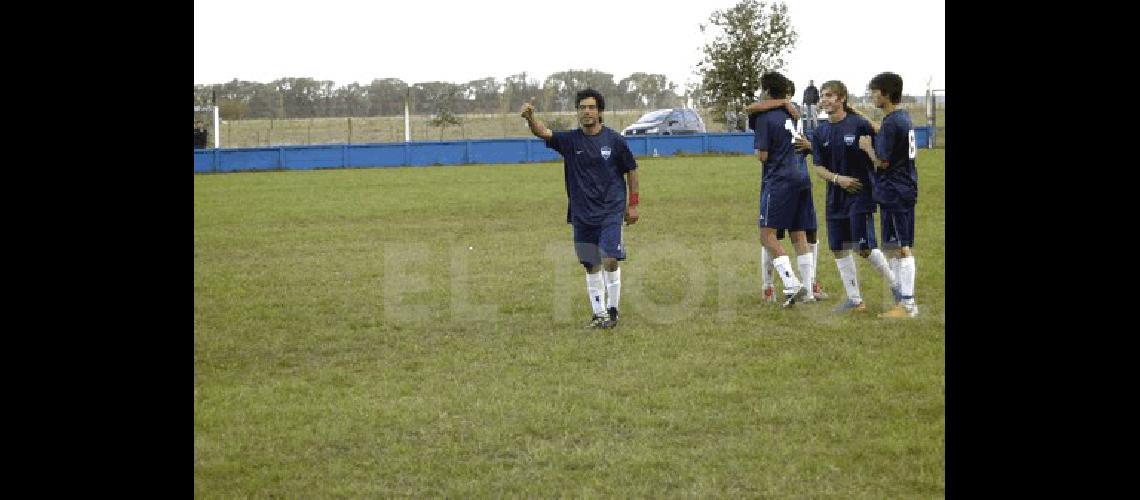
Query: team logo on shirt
point(606, 152)
point(849, 139)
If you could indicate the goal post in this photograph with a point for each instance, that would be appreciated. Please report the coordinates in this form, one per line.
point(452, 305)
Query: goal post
point(213, 111)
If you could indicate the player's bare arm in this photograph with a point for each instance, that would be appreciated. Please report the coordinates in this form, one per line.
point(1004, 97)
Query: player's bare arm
point(536, 127)
point(866, 145)
point(631, 205)
point(849, 184)
point(770, 104)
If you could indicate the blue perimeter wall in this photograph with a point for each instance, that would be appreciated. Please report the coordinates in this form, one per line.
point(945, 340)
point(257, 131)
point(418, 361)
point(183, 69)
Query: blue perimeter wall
point(474, 151)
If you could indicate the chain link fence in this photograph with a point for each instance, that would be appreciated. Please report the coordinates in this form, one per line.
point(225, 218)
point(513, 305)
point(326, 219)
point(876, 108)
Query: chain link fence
point(384, 129)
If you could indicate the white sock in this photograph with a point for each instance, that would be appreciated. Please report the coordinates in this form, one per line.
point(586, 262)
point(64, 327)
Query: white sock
point(848, 276)
point(906, 277)
point(879, 261)
point(814, 260)
point(613, 287)
point(596, 289)
point(807, 268)
point(784, 268)
point(765, 267)
point(894, 264)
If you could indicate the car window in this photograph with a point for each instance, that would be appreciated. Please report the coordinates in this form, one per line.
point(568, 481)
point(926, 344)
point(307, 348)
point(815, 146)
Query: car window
point(692, 117)
point(654, 116)
point(676, 115)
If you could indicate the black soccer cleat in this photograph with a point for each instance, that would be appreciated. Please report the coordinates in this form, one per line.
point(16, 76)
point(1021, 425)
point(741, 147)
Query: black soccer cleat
point(613, 317)
point(791, 298)
point(599, 321)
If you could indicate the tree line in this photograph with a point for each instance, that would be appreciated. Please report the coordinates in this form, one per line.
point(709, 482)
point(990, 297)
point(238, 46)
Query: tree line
point(308, 97)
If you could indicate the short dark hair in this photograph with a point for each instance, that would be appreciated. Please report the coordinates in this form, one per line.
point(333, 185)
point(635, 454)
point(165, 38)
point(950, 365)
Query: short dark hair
point(582, 94)
point(791, 88)
point(775, 83)
point(888, 84)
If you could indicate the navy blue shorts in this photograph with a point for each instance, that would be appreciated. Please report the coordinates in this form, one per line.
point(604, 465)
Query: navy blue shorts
point(591, 243)
point(783, 209)
point(898, 227)
point(854, 233)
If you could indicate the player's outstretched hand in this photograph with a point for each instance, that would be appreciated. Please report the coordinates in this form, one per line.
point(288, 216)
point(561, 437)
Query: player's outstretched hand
point(528, 109)
point(631, 215)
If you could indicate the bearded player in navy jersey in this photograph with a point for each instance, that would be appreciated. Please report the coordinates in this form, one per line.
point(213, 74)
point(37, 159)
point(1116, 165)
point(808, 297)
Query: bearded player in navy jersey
point(850, 206)
point(785, 191)
point(596, 162)
point(896, 185)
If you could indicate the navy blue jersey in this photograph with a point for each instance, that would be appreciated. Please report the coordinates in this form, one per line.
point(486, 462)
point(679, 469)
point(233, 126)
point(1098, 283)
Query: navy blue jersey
point(783, 170)
point(594, 166)
point(836, 146)
point(896, 187)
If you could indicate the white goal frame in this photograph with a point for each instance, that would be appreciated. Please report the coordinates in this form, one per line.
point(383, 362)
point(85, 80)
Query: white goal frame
point(217, 129)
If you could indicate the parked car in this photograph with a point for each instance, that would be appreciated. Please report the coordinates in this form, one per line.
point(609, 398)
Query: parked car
point(674, 121)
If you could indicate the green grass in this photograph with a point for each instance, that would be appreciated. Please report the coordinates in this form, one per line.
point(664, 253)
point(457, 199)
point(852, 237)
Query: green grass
point(347, 342)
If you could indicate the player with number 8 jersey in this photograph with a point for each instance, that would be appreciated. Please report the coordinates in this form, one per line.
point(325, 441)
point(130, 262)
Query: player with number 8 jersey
point(896, 184)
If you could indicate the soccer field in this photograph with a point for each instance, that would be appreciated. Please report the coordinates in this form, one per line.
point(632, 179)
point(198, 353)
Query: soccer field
point(419, 331)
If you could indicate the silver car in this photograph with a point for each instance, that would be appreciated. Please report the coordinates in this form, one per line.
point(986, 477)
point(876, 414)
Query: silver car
point(674, 121)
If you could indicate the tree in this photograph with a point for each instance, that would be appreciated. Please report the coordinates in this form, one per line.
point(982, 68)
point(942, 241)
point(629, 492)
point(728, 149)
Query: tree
point(352, 99)
point(518, 89)
point(440, 99)
point(752, 38)
point(646, 91)
point(299, 96)
point(481, 95)
point(266, 102)
point(561, 87)
point(387, 96)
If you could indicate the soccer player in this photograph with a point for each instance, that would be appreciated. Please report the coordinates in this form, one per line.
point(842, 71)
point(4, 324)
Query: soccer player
point(785, 190)
point(766, 268)
point(850, 206)
point(896, 184)
point(595, 159)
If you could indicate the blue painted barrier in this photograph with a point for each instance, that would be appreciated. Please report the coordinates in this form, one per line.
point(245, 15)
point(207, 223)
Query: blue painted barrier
point(463, 152)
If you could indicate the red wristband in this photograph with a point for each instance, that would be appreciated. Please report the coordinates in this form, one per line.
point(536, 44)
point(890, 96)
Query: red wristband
point(633, 199)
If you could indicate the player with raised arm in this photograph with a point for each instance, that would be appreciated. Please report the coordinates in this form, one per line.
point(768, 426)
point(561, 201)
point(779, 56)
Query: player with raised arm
point(597, 163)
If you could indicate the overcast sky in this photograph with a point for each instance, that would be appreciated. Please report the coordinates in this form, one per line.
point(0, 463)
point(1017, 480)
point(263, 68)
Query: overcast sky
point(458, 41)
